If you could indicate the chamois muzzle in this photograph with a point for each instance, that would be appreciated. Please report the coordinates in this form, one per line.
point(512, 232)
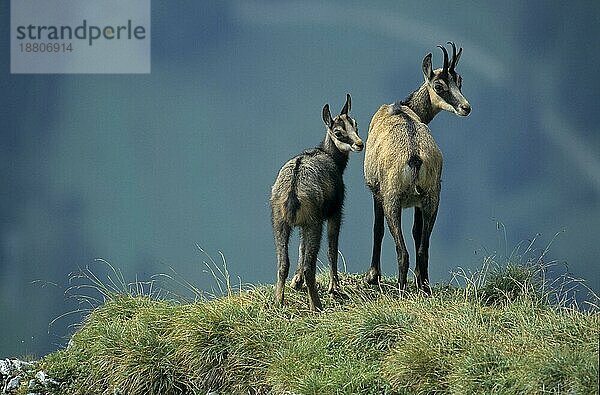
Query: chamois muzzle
point(358, 146)
point(464, 110)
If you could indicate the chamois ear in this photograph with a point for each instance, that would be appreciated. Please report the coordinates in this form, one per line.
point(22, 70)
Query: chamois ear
point(327, 116)
point(427, 69)
point(348, 105)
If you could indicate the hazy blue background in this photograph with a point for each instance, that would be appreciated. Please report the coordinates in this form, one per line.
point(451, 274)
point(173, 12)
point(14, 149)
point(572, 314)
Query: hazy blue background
point(138, 169)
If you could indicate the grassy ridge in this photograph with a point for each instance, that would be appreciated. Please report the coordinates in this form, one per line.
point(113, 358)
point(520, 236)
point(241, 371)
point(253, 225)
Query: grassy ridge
point(494, 336)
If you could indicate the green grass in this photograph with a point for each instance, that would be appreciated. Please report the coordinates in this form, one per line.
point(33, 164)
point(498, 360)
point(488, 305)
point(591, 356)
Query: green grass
point(492, 332)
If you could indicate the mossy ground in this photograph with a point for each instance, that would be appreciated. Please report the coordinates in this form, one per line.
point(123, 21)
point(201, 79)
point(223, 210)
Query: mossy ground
point(498, 336)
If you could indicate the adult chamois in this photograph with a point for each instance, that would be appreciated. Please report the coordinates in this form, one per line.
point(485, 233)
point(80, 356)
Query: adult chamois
point(309, 189)
point(403, 165)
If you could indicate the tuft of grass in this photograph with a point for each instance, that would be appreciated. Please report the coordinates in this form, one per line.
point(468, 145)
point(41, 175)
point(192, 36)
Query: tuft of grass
point(496, 331)
point(525, 274)
point(508, 284)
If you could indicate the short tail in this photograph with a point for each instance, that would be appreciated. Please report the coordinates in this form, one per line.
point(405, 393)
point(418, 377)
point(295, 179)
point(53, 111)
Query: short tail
point(414, 163)
point(292, 204)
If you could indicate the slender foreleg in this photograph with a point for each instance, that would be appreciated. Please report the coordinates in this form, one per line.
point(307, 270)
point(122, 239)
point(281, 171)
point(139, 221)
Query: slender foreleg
point(374, 273)
point(333, 233)
point(312, 240)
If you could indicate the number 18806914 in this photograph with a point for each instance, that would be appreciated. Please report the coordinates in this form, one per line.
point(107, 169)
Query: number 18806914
point(46, 47)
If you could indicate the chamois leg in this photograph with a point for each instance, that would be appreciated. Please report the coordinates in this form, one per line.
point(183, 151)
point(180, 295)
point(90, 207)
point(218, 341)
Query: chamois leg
point(417, 228)
point(333, 233)
point(312, 241)
point(281, 231)
point(298, 279)
point(374, 273)
point(393, 214)
point(421, 272)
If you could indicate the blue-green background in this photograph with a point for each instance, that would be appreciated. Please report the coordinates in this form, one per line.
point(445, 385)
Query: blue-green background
point(138, 169)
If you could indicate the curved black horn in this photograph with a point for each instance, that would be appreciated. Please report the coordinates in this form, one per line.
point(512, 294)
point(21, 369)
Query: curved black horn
point(445, 68)
point(452, 62)
point(455, 56)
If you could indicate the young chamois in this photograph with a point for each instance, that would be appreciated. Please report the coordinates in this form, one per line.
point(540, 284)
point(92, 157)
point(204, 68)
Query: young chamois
point(309, 189)
point(403, 165)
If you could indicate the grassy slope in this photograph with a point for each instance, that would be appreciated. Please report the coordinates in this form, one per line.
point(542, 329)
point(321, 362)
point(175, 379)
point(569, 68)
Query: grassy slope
point(495, 337)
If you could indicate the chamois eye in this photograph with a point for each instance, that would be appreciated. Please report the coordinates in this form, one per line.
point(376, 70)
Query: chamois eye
point(338, 133)
point(439, 87)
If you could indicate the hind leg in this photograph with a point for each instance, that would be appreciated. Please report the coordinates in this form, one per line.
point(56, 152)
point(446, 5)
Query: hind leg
point(393, 215)
point(298, 279)
point(281, 233)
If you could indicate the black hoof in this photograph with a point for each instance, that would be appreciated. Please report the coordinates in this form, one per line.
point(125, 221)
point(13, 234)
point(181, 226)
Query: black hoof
point(372, 277)
point(297, 282)
point(424, 288)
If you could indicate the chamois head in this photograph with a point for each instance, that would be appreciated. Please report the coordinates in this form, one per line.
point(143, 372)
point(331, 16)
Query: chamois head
point(444, 85)
point(343, 129)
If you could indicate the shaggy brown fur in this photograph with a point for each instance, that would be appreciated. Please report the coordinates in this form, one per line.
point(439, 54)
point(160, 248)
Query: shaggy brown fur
point(403, 165)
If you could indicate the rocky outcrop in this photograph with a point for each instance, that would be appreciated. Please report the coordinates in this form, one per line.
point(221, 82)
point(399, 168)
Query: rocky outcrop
point(15, 373)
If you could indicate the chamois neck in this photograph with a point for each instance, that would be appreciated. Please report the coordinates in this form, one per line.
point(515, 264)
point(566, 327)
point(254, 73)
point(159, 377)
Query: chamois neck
point(420, 102)
point(340, 158)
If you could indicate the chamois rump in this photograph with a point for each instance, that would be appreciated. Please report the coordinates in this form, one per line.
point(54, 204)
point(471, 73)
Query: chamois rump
point(309, 190)
point(403, 165)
